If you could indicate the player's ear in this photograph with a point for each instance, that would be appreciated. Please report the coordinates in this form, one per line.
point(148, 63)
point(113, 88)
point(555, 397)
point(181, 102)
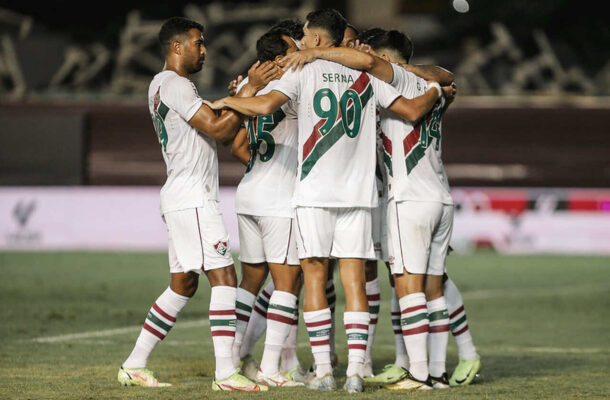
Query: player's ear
point(386, 57)
point(177, 47)
point(317, 39)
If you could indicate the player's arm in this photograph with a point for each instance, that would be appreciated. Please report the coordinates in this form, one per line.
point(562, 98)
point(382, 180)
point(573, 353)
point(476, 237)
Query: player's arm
point(414, 109)
point(431, 73)
point(251, 106)
point(223, 127)
point(349, 57)
point(240, 147)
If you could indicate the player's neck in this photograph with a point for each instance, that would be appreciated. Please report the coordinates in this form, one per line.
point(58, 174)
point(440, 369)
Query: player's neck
point(171, 65)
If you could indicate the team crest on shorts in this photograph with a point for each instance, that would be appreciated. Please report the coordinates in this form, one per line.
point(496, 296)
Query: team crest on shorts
point(221, 247)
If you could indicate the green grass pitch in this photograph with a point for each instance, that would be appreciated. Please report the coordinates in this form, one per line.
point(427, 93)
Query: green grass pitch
point(540, 323)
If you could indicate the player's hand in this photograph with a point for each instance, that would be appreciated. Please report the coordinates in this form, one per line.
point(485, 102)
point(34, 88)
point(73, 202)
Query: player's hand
point(449, 92)
point(361, 46)
point(216, 105)
point(260, 74)
point(232, 88)
point(298, 59)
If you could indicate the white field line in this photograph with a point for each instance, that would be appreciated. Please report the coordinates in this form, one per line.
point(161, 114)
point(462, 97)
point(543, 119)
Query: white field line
point(469, 295)
point(111, 332)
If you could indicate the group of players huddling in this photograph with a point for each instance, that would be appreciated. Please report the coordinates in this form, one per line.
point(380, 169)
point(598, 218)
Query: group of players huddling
point(341, 141)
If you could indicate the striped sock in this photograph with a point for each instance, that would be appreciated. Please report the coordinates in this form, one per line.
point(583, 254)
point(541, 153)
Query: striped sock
point(222, 325)
point(331, 298)
point(318, 327)
point(401, 352)
point(356, 329)
point(280, 316)
point(243, 309)
point(373, 296)
point(289, 351)
point(458, 322)
point(258, 321)
point(438, 336)
point(159, 321)
point(414, 322)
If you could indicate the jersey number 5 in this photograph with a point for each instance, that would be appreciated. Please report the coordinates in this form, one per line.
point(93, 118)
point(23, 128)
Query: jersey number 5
point(260, 138)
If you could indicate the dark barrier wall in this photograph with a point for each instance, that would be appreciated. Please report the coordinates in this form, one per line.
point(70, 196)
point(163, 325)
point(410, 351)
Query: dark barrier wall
point(42, 147)
point(483, 145)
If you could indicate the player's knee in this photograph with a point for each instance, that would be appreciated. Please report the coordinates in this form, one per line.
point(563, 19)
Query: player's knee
point(185, 284)
point(370, 270)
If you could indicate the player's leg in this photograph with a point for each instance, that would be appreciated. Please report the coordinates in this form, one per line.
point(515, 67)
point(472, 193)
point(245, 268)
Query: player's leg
point(290, 366)
point(281, 255)
point(470, 362)
point(256, 327)
point(185, 261)
point(331, 298)
point(315, 227)
point(159, 321)
point(409, 233)
point(219, 269)
point(373, 298)
point(437, 305)
point(352, 245)
point(254, 272)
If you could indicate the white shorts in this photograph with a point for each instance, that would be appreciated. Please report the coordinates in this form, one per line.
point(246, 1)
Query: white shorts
point(334, 232)
point(197, 239)
point(418, 235)
point(380, 231)
point(270, 239)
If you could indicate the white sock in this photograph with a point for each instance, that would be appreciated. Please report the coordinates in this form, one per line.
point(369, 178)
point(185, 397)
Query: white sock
point(159, 321)
point(402, 360)
point(331, 298)
point(318, 326)
point(222, 325)
point(458, 322)
point(258, 321)
point(356, 329)
point(243, 310)
point(414, 321)
point(280, 316)
point(289, 351)
point(438, 336)
point(373, 297)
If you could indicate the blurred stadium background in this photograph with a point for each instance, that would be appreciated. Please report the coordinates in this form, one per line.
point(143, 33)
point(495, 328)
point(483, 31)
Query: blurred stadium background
point(526, 146)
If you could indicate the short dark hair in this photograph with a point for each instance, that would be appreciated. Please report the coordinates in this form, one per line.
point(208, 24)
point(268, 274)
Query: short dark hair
point(352, 27)
point(367, 34)
point(175, 26)
point(289, 27)
point(331, 21)
point(271, 45)
point(393, 40)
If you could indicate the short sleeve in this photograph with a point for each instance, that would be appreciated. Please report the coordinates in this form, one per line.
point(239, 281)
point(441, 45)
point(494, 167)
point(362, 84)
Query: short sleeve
point(385, 94)
point(182, 97)
point(289, 84)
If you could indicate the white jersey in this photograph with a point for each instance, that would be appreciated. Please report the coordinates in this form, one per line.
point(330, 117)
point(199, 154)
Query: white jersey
point(336, 142)
point(416, 171)
point(192, 163)
point(267, 187)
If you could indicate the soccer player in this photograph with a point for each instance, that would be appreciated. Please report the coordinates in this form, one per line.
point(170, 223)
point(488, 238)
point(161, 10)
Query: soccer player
point(335, 187)
point(198, 242)
point(265, 219)
point(399, 48)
